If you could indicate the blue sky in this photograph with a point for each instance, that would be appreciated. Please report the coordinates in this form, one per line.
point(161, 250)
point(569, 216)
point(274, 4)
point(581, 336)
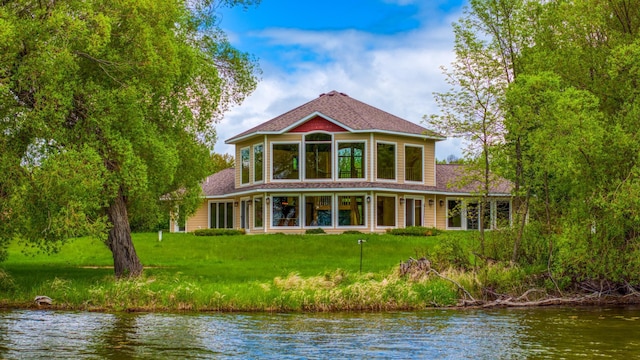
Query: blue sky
point(387, 53)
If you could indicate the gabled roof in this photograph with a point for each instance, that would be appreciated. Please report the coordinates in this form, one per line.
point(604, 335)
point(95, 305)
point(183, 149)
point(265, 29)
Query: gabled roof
point(221, 184)
point(347, 112)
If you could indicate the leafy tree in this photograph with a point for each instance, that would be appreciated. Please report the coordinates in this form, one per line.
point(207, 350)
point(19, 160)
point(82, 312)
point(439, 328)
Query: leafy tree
point(487, 43)
point(104, 108)
point(221, 162)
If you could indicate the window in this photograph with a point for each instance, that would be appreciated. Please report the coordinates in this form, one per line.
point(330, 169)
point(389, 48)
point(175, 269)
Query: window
point(318, 210)
point(351, 160)
point(258, 156)
point(258, 213)
point(503, 214)
point(221, 215)
point(454, 214)
point(473, 216)
point(386, 211)
point(351, 210)
point(285, 161)
point(386, 157)
point(285, 211)
point(245, 163)
point(317, 150)
point(413, 163)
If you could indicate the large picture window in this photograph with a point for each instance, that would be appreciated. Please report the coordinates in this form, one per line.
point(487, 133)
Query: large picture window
point(245, 164)
point(318, 210)
point(351, 210)
point(465, 215)
point(285, 161)
point(317, 150)
point(386, 160)
point(413, 163)
point(221, 215)
point(351, 160)
point(258, 161)
point(386, 211)
point(285, 210)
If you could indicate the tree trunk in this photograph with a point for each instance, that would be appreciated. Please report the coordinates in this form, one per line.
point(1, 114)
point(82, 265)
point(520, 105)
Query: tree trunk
point(125, 259)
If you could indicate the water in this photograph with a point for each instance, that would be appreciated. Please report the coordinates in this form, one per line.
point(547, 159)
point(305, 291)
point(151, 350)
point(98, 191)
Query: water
point(551, 333)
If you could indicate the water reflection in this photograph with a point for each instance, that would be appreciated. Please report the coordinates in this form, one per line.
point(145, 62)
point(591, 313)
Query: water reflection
point(526, 333)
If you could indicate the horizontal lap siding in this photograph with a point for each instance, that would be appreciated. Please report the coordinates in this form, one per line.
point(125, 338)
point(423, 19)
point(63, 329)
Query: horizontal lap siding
point(199, 220)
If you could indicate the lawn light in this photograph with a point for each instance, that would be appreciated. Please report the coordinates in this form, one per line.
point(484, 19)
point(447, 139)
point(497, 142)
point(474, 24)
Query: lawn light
point(361, 241)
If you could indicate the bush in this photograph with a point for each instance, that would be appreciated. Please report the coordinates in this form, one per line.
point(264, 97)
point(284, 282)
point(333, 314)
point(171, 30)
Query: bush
point(414, 231)
point(315, 231)
point(218, 232)
point(352, 232)
point(6, 281)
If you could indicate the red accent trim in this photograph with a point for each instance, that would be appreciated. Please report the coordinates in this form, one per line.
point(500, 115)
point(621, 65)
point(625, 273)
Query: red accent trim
point(317, 123)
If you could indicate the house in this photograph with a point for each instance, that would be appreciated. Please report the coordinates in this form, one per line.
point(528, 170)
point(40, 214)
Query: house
point(339, 164)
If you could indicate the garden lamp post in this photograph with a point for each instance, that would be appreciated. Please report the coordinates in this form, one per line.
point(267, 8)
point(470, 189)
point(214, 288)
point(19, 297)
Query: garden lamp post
point(361, 242)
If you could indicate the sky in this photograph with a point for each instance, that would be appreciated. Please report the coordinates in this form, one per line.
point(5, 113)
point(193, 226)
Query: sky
point(386, 53)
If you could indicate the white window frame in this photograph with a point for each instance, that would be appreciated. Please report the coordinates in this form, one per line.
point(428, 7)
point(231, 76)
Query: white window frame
point(365, 210)
point(337, 160)
point(300, 210)
point(253, 162)
point(332, 206)
point(396, 204)
point(375, 150)
point(233, 211)
point(248, 149)
point(300, 164)
point(422, 162)
point(303, 150)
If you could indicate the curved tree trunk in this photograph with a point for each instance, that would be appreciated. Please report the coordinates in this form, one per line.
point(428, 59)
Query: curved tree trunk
point(125, 259)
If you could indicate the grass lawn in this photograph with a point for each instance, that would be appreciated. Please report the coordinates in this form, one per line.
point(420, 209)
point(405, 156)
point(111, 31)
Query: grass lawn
point(183, 270)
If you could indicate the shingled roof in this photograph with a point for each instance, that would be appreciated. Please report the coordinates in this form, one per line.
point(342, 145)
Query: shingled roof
point(448, 178)
point(345, 111)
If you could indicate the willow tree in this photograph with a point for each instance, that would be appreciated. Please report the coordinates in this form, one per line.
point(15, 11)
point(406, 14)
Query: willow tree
point(106, 106)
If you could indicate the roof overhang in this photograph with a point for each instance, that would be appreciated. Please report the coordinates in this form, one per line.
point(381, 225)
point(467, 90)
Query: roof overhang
point(235, 140)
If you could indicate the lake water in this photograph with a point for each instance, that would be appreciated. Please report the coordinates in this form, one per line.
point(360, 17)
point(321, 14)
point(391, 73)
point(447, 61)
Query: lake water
point(552, 333)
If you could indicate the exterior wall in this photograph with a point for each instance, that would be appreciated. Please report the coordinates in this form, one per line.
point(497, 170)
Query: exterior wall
point(199, 220)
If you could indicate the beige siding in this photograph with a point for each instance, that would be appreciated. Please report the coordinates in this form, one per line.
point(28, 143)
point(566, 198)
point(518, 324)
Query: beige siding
point(200, 220)
point(441, 212)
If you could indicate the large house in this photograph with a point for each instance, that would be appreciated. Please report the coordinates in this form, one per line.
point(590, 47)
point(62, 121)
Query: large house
point(339, 164)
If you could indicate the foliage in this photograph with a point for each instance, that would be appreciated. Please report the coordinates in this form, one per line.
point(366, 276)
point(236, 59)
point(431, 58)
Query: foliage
point(105, 107)
point(218, 232)
point(315, 231)
point(221, 162)
point(414, 231)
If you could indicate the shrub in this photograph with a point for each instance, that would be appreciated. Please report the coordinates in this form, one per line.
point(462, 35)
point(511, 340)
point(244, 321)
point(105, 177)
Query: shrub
point(352, 232)
point(218, 232)
point(6, 281)
point(414, 231)
point(315, 231)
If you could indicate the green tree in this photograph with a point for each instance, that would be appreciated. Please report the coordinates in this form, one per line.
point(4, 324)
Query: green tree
point(576, 116)
point(104, 108)
point(487, 43)
point(221, 162)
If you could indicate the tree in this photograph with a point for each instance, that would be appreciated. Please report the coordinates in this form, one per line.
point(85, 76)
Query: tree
point(104, 108)
point(487, 43)
point(581, 83)
point(221, 162)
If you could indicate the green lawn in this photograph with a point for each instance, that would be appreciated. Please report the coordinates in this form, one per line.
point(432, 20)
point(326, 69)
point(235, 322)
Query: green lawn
point(241, 270)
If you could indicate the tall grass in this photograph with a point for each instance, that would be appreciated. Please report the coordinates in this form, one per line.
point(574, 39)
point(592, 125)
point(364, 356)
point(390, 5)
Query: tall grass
point(231, 273)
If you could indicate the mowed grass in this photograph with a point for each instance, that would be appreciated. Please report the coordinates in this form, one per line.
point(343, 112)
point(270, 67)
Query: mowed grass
point(251, 272)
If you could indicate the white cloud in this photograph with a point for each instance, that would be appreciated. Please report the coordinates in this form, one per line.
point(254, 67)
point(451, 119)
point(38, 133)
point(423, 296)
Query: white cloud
point(398, 74)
